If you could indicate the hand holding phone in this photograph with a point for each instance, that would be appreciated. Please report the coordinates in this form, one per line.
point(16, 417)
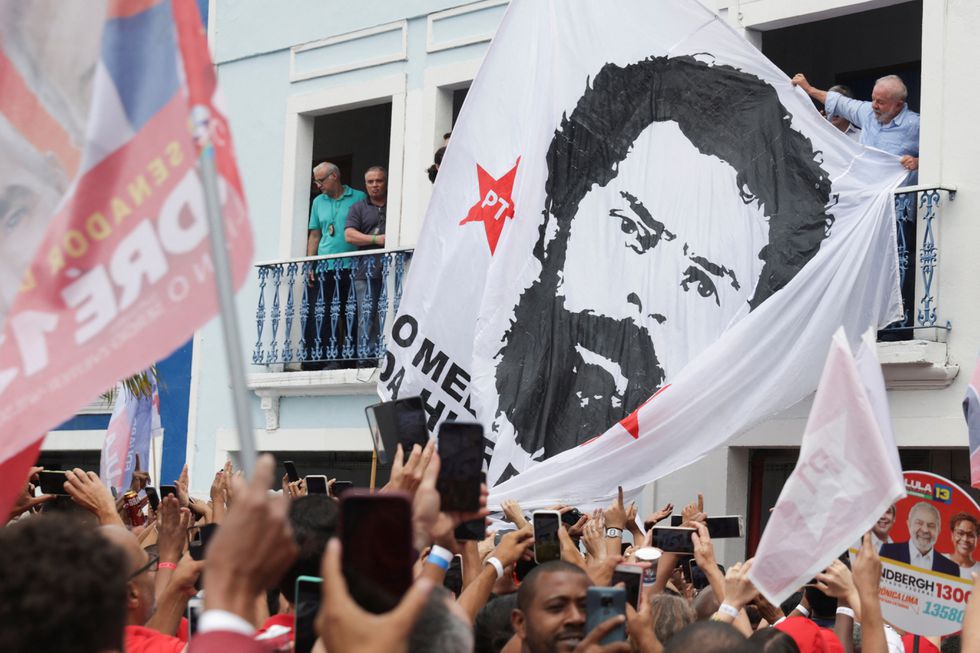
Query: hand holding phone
point(671, 539)
point(547, 546)
point(602, 604)
point(167, 490)
point(152, 497)
point(376, 534)
point(306, 606)
point(316, 484)
point(391, 423)
point(52, 482)
point(631, 576)
point(461, 470)
point(291, 472)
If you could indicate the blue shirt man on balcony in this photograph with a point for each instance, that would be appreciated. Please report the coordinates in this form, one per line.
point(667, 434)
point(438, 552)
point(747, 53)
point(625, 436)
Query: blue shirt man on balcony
point(886, 122)
point(326, 336)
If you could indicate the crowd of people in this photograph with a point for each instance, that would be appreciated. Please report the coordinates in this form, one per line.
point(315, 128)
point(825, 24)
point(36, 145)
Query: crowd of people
point(83, 572)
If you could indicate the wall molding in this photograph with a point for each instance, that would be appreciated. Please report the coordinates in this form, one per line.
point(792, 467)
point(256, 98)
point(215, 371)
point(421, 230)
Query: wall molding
point(401, 54)
point(431, 45)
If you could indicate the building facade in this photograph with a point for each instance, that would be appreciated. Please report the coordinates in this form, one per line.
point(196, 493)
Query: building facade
point(380, 83)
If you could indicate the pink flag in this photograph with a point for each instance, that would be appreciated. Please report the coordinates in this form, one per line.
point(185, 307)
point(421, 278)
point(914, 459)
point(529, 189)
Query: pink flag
point(971, 409)
point(122, 275)
point(844, 479)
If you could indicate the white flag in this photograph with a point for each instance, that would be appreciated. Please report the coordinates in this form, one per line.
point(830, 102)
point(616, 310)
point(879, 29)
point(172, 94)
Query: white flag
point(634, 203)
point(844, 479)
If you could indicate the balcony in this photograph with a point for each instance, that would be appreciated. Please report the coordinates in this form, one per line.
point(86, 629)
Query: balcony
point(913, 350)
point(326, 316)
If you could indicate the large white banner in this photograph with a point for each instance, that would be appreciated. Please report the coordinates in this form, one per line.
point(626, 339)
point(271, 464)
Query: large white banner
point(634, 203)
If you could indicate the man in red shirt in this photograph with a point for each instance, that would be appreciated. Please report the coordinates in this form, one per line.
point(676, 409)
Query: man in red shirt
point(151, 626)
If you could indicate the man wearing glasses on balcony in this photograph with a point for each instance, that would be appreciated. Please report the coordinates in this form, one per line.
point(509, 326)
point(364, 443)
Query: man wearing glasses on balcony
point(329, 279)
point(885, 122)
point(366, 230)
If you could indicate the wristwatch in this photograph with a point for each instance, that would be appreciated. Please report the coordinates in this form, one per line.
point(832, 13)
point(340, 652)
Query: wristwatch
point(614, 532)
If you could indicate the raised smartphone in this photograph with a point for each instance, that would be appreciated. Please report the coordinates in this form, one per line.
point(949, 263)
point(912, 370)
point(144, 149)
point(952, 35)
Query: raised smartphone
point(376, 532)
point(631, 576)
point(718, 527)
point(547, 546)
point(308, 589)
point(602, 604)
point(670, 539)
point(461, 472)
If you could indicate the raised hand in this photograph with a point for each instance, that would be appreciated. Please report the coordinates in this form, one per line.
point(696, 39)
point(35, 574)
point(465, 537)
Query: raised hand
point(739, 590)
point(656, 517)
point(616, 513)
point(344, 626)
point(88, 491)
point(252, 548)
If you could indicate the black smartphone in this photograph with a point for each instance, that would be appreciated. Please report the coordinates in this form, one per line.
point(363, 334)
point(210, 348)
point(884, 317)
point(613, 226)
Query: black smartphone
point(602, 604)
point(547, 546)
point(671, 539)
point(308, 589)
point(316, 484)
point(461, 473)
point(391, 423)
point(718, 527)
point(474, 530)
point(291, 472)
point(376, 533)
point(166, 490)
point(339, 487)
point(571, 517)
point(52, 482)
point(152, 496)
point(631, 576)
point(200, 537)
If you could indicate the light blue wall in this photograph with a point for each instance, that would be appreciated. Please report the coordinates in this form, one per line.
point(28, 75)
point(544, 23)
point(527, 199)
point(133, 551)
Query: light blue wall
point(252, 41)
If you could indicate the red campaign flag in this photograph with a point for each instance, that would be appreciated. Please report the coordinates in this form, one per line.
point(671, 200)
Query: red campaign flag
point(971, 410)
point(121, 273)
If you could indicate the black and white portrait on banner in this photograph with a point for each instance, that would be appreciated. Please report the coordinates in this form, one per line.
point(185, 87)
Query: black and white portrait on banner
point(678, 199)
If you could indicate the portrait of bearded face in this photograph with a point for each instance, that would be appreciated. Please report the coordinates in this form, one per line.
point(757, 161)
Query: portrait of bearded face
point(642, 267)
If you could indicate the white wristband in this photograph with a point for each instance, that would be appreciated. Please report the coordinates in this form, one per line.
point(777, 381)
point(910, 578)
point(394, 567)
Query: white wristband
point(728, 609)
point(802, 610)
point(440, 557)
point(847, 612)
point(496, 564)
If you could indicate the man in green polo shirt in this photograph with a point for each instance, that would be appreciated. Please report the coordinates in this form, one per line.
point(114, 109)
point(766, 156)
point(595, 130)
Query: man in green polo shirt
point(328, 217)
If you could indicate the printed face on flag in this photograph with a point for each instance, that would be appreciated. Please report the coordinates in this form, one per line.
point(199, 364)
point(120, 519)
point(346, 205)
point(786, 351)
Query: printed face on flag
point(699, 199)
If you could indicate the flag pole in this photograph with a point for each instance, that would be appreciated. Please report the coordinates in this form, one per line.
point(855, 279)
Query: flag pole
point(226, 305)
point(374, 468)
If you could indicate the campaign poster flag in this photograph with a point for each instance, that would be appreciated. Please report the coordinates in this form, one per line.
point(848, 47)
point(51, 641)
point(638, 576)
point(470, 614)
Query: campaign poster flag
point(135, 421)
point(844, 480)
point(641, 238)
point(971, 409)
point(928, 555)
point(121, 273)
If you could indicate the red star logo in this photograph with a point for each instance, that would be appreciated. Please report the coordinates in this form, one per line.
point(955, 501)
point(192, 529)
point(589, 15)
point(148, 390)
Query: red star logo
point(495, 204)
point(632, 421)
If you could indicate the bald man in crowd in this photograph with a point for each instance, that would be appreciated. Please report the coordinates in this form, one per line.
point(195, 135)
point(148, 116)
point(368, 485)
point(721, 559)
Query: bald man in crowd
point(885, 122)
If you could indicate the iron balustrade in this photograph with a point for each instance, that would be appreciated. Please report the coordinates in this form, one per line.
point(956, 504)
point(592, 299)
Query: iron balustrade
point(328, 311)
point(917, 209)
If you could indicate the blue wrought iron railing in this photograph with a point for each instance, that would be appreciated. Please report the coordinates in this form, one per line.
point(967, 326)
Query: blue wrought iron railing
point(917, 210)
point(328, 311)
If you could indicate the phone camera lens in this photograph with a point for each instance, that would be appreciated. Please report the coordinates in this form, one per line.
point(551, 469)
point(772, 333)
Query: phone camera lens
point(606, 602)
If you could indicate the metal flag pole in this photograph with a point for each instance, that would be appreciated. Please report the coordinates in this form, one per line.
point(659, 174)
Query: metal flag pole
point(374, 468)
point(226, 304)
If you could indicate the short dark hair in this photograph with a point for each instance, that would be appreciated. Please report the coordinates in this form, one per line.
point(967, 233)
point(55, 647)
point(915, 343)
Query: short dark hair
point(951, 644)
point(314, 521)
point(528, 588)
point(493, 627)
point(771, 640)
point(963, 516)
point(708, 637)
point(62, 588)
point(437, 629)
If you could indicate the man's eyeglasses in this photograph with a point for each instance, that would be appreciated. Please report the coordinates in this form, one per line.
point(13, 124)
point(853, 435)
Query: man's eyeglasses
point(320, 182)
point(152, 565)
